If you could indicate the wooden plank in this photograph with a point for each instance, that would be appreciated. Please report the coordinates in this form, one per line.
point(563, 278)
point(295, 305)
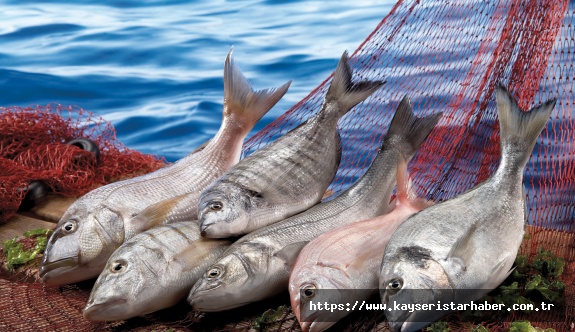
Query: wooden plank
point(53, 208)
point(19, 224)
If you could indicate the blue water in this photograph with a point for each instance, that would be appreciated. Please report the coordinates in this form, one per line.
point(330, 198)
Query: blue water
point(154, 68)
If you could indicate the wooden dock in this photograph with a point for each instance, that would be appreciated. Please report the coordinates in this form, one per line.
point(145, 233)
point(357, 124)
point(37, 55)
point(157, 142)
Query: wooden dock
point(45, 215)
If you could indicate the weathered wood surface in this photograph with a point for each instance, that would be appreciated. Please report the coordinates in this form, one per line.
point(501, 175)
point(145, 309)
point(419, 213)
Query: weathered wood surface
point(45, 215)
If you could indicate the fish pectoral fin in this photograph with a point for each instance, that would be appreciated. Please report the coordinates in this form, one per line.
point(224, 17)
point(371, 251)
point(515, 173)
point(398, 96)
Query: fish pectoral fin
point(156, 214)
point(290, 252)
point(463, 249)
point(196, 252)
point(500, 271)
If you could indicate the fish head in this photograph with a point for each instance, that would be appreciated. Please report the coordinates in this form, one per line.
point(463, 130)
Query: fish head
point(81, 243)
point(127, 286)
point(229, 283)
point(412, 279)
point(318, 283)
point(224, 211)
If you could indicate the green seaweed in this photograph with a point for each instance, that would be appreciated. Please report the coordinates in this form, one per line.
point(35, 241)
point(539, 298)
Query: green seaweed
point(14, 249)
point(479, 328)
point(439, 326)
point(268, 317)
point(525, 326)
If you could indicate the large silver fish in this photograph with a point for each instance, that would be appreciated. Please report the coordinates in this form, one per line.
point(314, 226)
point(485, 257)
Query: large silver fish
point(287, 176)
point(460, 249)
point(152, 271)
point(259, 264)
point(342, 265)
point(100, 221)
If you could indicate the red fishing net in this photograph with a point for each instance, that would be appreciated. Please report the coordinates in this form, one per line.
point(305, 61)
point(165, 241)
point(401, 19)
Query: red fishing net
point(449, 56)
point(33, 148)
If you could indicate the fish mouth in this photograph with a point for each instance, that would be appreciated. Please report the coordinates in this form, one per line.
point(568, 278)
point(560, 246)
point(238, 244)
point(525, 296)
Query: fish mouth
point(98, 311)
point(56, 267)
point(400, 322)
point(200, 302)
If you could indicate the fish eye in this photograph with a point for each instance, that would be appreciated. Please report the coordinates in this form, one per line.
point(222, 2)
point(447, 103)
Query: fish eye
point(394, 285)
point(214, 272)
point(119, 266)
point(308, 291)
point(69, 226)
point(215, 205)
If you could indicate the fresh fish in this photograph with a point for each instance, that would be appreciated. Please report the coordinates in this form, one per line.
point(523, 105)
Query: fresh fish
point(342, 265)
point(287, 176)
point(100, 221)
point(459, 249)
point(259, 264)
point(152, 271)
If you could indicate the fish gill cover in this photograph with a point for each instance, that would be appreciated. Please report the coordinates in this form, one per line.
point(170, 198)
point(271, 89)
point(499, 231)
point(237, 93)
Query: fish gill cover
point(447, 56)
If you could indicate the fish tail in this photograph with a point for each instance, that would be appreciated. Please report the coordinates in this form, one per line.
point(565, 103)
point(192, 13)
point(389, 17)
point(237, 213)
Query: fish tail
point(519, 130)
point(344, 92)
point(406, 131)
point(406, 194)
point(243, 103)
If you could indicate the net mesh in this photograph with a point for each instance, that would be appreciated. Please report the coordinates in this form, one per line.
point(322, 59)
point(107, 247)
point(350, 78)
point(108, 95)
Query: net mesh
point(32, 148)
point(447, 56)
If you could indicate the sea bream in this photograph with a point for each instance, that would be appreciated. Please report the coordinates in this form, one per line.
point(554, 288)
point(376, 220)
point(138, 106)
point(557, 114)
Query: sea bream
point(459, 249)
point(288, 175)
point(100, 221)
point(259, 264)
point(342, 265)
point(152, 271)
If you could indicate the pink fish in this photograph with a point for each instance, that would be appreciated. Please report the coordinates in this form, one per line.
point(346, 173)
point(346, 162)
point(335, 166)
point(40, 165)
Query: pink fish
point(345, 262)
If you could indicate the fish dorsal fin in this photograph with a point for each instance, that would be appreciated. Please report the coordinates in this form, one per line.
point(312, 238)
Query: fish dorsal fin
point(290, 252)
point(197, 251)
point(462, 251)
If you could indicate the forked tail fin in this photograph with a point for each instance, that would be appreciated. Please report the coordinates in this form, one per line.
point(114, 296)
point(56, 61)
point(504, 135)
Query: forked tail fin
point(406, 131)
point(519, 130)
point(343, 94)
point(241, 101)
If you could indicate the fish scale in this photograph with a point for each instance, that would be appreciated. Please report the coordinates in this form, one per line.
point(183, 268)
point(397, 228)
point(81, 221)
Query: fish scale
point(258, 265)
point(156, 270)
point(464, 246)
point(288, 175)
point(103, 219)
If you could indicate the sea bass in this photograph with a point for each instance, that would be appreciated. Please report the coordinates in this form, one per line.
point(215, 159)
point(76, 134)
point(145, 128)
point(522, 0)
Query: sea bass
point(100, 221)
point(152, 271)
point(286, 176)
point(259, 264)
point(342, 265)
point(459, 249)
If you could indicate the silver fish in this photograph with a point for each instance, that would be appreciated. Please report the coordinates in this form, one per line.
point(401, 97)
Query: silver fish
point(152, 271)
point(287, 176)
point(342, 265)
point(259, 264)
point(100, 221)
point(459, 249)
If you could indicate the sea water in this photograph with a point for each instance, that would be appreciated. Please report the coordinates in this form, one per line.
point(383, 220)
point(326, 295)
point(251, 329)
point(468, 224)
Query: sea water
point(155, 68)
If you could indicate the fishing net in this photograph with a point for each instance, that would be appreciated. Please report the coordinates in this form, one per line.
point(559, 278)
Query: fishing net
point(447, 56)
point(33, 148)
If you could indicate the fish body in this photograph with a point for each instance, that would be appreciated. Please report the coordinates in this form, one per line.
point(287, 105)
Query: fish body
point(100, 221)
point(258, 265)
point(460, 249)
point(342, 265)
point(286, 176)
point(152, 271)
